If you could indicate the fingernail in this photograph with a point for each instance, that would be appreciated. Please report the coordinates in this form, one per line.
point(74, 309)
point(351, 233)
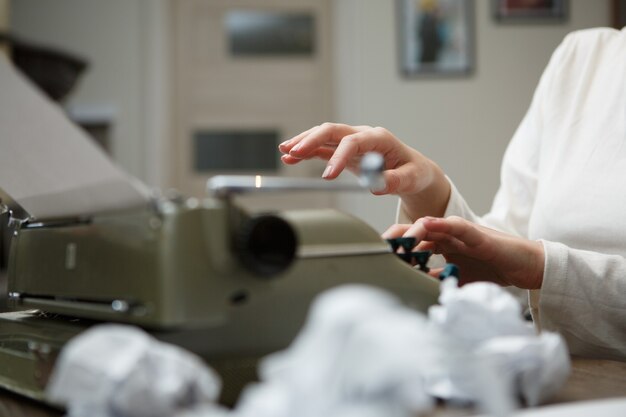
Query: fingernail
point(295, 148)
point(284, 145)
point(327, 171)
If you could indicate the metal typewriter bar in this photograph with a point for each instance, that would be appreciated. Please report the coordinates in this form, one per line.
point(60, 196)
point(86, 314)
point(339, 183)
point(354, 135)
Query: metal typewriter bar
point(371, 178)
point(226, 185)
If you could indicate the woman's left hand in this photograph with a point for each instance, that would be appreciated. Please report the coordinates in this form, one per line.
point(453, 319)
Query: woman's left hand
point(482, 254)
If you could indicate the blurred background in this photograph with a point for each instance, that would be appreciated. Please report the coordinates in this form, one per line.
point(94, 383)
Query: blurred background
point(179, 90)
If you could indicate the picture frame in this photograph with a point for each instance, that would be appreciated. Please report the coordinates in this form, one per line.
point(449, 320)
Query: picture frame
point(267, 33)
point(530, 11)
point(436, 37)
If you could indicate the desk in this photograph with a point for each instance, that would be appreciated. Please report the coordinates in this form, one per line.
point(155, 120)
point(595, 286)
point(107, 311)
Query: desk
point(591, 379)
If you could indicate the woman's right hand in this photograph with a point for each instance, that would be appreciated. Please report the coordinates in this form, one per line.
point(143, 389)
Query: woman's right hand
point(419, 182)
point(482, 254)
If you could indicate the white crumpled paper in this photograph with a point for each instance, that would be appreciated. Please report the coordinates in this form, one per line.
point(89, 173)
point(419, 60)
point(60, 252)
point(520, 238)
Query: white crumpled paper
point(120, 371)
point(360, 353)
point(359, 349)
point(504, 357)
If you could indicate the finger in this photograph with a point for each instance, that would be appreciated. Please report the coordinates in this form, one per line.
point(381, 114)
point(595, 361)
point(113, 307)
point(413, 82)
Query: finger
point(394, 180)
point(404, 179)
point(391, 183)
point(395, 230)
point(426, 245)
point(389, 179)
point(323, 135)
point(457, 227)
point(289, 160)
point(443, 244)
point(440, 243)
point(416, 230)
point(287, 145)
point(291, 144)
point(435, 272)
point(322, 153)
point(356, 144)
point(436, 242)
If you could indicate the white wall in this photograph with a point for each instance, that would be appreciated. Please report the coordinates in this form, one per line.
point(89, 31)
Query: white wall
point(462, 123)
point(123, 41)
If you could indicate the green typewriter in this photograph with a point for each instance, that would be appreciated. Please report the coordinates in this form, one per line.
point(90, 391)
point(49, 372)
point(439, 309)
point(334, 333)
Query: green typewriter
point(227, 284)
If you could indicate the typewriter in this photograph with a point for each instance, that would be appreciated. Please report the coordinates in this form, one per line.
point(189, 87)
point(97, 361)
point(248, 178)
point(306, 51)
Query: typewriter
point(227, 284)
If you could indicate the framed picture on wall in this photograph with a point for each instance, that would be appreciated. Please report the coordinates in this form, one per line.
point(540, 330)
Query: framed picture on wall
point(436, 37)
point(264, 33)
point(530, 10)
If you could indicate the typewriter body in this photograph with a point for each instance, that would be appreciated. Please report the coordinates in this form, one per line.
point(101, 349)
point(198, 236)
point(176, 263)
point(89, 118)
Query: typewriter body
point(207, 275)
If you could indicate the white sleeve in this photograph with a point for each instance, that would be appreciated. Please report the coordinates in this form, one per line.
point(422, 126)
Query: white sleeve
point(582, 297)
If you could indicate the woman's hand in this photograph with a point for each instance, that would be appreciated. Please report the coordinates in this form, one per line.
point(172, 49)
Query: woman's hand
point(416, 179)
point(482, 254)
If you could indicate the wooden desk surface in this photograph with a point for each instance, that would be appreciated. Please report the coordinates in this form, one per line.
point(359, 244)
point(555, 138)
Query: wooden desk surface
point(591, 379)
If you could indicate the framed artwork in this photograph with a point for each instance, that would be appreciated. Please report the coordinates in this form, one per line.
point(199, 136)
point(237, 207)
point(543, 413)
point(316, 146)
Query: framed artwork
point(619, 13)
point(530, 10)
point(261, 33)
point(436, 37)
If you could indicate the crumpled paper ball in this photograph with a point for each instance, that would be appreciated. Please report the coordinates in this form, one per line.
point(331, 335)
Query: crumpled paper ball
point(115, 370)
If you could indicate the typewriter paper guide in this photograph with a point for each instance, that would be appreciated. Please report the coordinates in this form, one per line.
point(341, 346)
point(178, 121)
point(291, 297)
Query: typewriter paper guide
point(49, 165)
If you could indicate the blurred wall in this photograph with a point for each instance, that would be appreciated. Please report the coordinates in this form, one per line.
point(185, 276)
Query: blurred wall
point(4, 14)
point(462, 123)
point(127, 78)
point(4, 19)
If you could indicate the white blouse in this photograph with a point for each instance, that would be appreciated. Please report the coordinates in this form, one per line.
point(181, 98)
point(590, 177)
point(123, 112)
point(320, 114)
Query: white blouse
point(563, 181)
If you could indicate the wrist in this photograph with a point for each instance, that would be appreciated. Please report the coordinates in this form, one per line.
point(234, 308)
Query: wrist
point(431, 194)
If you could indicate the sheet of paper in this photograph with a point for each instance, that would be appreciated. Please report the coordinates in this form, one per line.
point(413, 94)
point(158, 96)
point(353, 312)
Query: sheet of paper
point(49, 165)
